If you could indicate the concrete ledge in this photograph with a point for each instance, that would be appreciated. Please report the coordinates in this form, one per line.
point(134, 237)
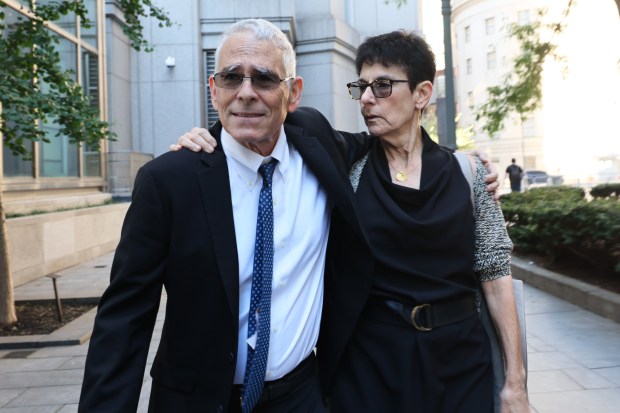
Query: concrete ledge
point(76, 332)
point(46, 243)
point(599, 301)
point(55, 203)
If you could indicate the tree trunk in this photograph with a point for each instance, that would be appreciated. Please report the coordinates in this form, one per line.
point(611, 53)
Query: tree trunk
point(7, 302)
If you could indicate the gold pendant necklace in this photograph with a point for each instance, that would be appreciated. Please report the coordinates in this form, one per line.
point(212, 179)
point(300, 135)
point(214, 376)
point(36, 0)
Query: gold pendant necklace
point(401, 176)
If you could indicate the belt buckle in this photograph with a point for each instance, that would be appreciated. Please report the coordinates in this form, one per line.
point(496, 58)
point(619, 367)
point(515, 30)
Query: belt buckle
point(413, 317)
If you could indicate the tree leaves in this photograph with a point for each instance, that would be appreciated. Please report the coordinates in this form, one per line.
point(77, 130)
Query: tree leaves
point(35, 89)
point(520, 91)
point(135, 9)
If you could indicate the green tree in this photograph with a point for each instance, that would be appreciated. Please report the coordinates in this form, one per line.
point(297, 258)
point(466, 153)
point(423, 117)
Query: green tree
point(464, 136)
point(521, 89)
point(34, 89)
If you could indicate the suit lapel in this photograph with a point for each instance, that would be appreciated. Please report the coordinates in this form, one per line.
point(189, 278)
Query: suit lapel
point(324, 168)
point(216, 196)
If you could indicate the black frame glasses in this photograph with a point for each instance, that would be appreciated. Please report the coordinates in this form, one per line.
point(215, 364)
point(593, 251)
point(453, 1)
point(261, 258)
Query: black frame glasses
point(260, 81)
point(381, 88)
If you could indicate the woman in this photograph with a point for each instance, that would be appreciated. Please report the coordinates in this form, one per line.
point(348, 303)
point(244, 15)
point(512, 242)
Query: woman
point(417, 344)
point(430, 257)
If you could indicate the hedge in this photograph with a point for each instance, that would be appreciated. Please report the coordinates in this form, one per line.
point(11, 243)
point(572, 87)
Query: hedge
point(606, 191)
point(556, 221)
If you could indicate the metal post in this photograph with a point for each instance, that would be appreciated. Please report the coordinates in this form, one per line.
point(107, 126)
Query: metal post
point(446, 11)
point(58, 304)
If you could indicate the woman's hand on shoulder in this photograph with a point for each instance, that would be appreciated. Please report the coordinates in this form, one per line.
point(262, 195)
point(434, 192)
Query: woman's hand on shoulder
point(195, 140)
point(492, 176)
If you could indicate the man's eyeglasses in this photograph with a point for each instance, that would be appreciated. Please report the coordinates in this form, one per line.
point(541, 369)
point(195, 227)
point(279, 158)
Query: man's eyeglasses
point(260, 81)
point(381, 88)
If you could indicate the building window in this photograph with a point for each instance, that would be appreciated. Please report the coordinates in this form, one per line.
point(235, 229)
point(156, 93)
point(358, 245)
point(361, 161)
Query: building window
point(470, 100)
point(529, 162)
point(469, 66)
point(490, 25)
point(68, 23)
point(59, 157)
point(467, 34)
point(212, 115)
point(523, 17)
point(89, 35)
point(528, 128)
point(491, 60)
point(16, 166)
point(79, 52)
point(91, 158)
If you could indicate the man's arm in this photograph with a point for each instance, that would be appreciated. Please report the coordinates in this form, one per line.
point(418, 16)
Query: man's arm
point(127, 311)
point(351, 146)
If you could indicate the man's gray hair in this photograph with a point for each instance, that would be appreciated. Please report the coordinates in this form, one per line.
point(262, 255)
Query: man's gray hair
point(262, 30)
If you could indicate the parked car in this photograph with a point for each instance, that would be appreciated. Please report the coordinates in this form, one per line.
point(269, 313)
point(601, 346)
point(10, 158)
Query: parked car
point(536, 178)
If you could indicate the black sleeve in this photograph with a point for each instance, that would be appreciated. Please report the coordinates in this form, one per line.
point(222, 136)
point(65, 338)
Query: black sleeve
point(351, 146)
point(127, 311)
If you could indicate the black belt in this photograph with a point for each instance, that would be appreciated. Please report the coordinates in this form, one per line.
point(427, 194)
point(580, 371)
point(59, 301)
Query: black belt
point(284, 385)
point(425, 317)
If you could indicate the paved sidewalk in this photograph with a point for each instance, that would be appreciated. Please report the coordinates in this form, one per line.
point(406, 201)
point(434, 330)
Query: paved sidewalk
point(574, 357)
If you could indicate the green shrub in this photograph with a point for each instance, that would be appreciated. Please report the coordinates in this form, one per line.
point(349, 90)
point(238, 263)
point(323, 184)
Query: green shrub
point(546, 194)
point(606, 191)
point(556, 221)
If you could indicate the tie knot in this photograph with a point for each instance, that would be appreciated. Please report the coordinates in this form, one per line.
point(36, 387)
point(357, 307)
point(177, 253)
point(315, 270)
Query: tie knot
point(266, 170)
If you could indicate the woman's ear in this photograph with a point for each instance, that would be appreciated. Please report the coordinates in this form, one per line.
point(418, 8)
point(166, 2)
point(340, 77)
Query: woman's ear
point(425, 92)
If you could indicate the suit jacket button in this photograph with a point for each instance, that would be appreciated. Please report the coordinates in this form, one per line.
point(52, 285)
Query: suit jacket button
point(220, 409)
point(231, 357)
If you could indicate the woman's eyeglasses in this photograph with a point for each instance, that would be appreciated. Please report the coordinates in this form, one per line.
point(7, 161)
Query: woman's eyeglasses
point(260, 81)
point(381, 88)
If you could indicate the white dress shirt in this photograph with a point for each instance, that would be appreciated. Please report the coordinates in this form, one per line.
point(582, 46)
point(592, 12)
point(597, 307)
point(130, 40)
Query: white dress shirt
point(301, 226)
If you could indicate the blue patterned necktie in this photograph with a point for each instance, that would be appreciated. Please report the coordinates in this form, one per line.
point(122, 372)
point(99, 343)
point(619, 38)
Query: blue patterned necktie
point(259, 317)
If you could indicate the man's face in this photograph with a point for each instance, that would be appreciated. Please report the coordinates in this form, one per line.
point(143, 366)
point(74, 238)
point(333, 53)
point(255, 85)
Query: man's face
point(251, 115)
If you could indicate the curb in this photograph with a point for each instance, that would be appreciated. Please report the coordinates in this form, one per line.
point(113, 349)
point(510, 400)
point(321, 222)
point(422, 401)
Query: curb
point(76, 332)
point(602, 302)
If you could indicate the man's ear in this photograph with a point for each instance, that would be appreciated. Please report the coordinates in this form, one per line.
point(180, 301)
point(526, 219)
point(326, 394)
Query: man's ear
point(213, 91)
point(295, 94)
point(425, 92)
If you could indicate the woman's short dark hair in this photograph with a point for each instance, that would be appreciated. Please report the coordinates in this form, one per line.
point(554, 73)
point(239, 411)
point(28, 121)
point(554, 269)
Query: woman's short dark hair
point(399, 48)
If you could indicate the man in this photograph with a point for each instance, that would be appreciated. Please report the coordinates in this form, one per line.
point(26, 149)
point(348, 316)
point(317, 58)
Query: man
point(347, 275)
point(515, 174)
point(240, 253)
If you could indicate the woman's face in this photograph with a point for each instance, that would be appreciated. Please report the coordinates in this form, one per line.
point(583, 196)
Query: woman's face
point(394, 116)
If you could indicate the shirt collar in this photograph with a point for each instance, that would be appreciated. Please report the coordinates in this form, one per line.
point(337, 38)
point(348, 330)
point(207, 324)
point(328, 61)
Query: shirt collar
point(248, 161)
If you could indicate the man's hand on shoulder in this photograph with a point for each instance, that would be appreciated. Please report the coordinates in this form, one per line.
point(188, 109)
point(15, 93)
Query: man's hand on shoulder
point(195, 140)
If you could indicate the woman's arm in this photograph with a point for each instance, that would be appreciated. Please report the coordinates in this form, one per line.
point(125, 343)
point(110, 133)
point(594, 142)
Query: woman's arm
point(492, 264)
point(502, 307)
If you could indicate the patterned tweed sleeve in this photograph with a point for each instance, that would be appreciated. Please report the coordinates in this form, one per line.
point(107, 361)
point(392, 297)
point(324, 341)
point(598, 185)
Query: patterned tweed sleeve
point(493, 246)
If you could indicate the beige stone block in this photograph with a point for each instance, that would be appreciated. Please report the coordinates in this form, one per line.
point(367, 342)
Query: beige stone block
point(46, 243)
point(25, 239)
point(58, 237)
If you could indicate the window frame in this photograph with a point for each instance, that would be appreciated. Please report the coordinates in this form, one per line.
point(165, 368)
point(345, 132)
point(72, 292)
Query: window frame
point(36, 180)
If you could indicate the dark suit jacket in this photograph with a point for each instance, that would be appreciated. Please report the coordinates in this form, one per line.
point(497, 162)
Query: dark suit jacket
point(179, 234)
